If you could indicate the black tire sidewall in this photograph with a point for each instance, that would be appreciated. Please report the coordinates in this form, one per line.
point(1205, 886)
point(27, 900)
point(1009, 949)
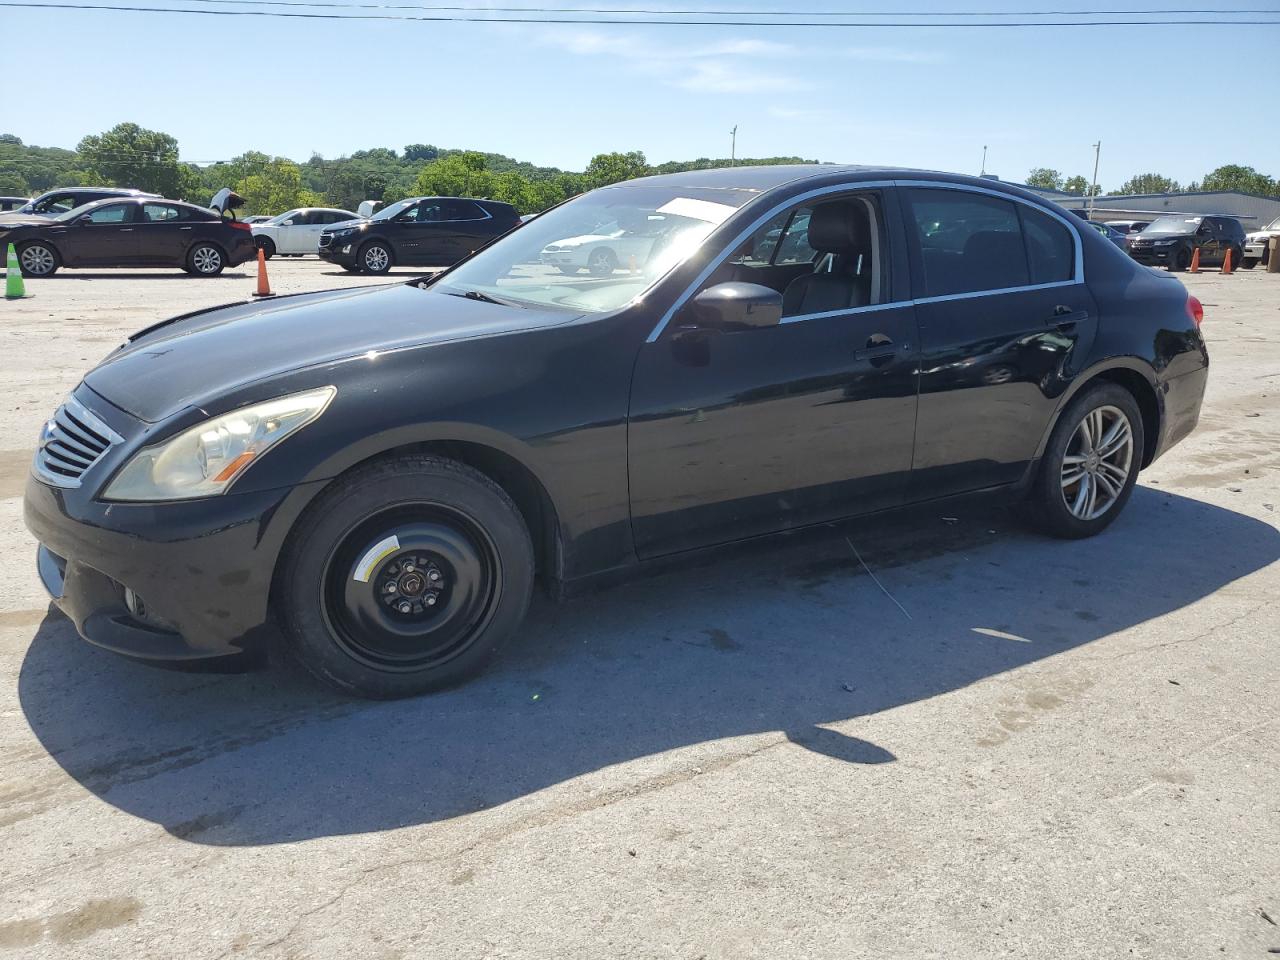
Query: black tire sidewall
point(267, 247)
point(57, 260)
point(373, 489)
point(1046, 497)
point(365, 249)
point(191, 260)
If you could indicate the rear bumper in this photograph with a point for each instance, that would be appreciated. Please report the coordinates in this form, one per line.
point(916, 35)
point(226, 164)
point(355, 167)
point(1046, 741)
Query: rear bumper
point(202, 569)
point(1182, 398)
point(242, 251)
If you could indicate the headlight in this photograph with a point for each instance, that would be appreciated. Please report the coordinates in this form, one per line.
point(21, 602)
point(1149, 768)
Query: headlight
point(206, 459)
point(345, 232)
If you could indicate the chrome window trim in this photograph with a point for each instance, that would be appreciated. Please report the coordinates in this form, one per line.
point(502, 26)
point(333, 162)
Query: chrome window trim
point(871, 185)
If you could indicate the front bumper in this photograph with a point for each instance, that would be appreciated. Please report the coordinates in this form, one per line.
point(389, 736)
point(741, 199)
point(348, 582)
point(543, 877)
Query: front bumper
point(1152, 256)
point(202, 569)
point(1256, 249)
point(341, 251)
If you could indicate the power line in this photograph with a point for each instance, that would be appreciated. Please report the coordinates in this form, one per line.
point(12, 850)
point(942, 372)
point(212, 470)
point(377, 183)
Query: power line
point(596, 21)
point(620, 11)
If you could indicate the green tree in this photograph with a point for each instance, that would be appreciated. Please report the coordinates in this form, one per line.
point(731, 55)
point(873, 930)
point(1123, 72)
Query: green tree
point(607, 168)
point(274, 187)
point(1147, 183)
point(128, 155)
point(1233, 176)
point(1045, 178)
point(12, 185)
point(421, 153)
point(458, 175)
point(1080, 186)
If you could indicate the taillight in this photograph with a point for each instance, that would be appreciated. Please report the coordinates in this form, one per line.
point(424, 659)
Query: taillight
point(1195, 310)
point(240, 226)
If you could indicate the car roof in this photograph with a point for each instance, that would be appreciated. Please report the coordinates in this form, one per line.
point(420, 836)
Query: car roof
point(113, 191)
point(762, 179)
point(146, 198)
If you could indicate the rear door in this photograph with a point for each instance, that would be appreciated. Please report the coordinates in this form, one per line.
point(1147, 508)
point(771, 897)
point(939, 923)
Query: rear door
point(105, 236)
point(465, 227)
point(1001, 305)
point(163, 231)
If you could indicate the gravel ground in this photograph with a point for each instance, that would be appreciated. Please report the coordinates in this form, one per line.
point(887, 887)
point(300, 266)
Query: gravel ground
point(1051, 750)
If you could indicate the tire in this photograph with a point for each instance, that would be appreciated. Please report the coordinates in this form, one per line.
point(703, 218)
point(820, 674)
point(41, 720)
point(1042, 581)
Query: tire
point(1237, 257)
point(206, 260)
point(355, 603)
point(602, 262)
point(266, 245)
point(375, 257)
point(38, 259)
point(1179, 261)
point(569, 271)
point(1059, 507)
point(1248, 263)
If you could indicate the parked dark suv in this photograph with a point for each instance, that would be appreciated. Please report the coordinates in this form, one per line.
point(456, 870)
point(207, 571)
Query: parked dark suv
point(420, 231)
point(1170, 241)
point(384, 471)
point(51, 203)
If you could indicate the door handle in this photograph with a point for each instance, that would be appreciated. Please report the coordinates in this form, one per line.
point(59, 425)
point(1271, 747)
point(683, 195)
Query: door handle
point(126, 229)
point(1064, 316)
point(186, 228)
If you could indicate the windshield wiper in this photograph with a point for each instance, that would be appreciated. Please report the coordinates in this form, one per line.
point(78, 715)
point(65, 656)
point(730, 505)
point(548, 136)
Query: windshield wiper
point(482, 297)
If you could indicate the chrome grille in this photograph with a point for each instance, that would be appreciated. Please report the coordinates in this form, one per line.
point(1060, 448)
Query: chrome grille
point(72, 442)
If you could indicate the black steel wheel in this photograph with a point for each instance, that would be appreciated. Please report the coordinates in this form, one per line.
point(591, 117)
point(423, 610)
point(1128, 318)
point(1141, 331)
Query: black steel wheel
point(1179, 260)
point(266, 245)
point(406, 576)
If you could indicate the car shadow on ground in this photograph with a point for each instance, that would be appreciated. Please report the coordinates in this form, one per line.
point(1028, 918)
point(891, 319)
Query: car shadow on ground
point(787, 636)
point(156, 274)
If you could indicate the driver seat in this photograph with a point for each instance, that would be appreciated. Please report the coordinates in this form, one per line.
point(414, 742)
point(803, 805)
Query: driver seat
point(841, 232)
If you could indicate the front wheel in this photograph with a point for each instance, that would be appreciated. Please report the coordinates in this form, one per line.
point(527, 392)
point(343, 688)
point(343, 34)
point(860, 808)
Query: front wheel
point(1249, 262)
point(38, 260)
point(375, 257)
point(602, 263)
point(1090, 464)
point(1179, 260)
point(266, 245)
point(406, 576)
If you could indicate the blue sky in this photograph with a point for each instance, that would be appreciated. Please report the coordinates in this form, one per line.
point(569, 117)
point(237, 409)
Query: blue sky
point(556, 94)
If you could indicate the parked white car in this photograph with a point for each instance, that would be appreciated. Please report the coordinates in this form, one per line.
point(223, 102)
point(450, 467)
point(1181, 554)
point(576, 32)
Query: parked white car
point(297, 231)
point(609, 247)
point(1255, 244)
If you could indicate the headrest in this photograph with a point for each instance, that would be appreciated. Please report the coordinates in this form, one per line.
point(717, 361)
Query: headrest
point(839, 226)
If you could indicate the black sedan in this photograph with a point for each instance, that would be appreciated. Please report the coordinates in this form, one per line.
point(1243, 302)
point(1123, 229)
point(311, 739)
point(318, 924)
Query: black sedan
point(137, 232)
point(420, 231)
point(385, 471)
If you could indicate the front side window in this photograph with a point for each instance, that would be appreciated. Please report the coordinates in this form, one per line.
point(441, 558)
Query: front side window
point(114, 213)
point(598, 252)
point(968, 242)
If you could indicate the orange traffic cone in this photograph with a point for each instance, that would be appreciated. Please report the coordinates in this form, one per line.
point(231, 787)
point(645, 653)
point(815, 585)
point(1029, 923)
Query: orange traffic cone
point(1226, 264)
point(264, 288)
point(1195, 261)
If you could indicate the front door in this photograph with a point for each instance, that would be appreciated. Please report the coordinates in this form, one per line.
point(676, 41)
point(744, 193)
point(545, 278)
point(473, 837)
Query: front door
point(1001, 312)
point(734, 434)
point(105, 236)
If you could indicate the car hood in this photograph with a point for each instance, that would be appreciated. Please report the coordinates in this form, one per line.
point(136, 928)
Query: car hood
point(343, 225)
point(1262, 234)
point(10, 220)
point(193, 359)
point(1161, 236)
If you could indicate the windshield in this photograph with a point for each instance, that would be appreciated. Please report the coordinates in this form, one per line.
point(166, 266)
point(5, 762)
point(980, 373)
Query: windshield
point(277, 220)
point(598, 252)
point(386, 213)
point(1273, 225)
point(75, 213)
point(1174, 225)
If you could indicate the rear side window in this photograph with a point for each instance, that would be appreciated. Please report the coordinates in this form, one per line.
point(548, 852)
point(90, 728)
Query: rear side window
point(1051, 250)
point(160, 212)
point(968, 242)
point(461, 210)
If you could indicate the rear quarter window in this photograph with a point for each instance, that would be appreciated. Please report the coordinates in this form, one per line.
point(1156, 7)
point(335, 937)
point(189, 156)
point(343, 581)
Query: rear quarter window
point(1051, 249)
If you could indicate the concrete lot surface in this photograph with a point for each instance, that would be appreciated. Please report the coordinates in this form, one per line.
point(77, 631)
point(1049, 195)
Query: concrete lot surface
point(1059, 750)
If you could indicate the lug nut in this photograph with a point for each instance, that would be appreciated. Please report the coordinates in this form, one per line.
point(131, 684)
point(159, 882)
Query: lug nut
point(431, 601)
point(435, 574)
point(404, 607)
point(408, 568)
point(391, 588)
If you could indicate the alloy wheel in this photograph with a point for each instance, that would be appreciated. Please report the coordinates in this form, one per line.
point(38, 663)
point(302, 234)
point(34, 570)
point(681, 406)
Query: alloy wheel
point(1097, 463)
point(376, 259)
point(38, 260)
point(207, 260)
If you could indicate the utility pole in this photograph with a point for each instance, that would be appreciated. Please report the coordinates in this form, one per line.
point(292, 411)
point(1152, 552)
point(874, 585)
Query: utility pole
point(1093, 188)
point(983, 171)
point(733, 146)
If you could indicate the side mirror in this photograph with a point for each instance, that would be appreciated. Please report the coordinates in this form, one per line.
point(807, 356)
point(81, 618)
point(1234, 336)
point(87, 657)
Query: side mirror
point(287, 223)
point(737, 306)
